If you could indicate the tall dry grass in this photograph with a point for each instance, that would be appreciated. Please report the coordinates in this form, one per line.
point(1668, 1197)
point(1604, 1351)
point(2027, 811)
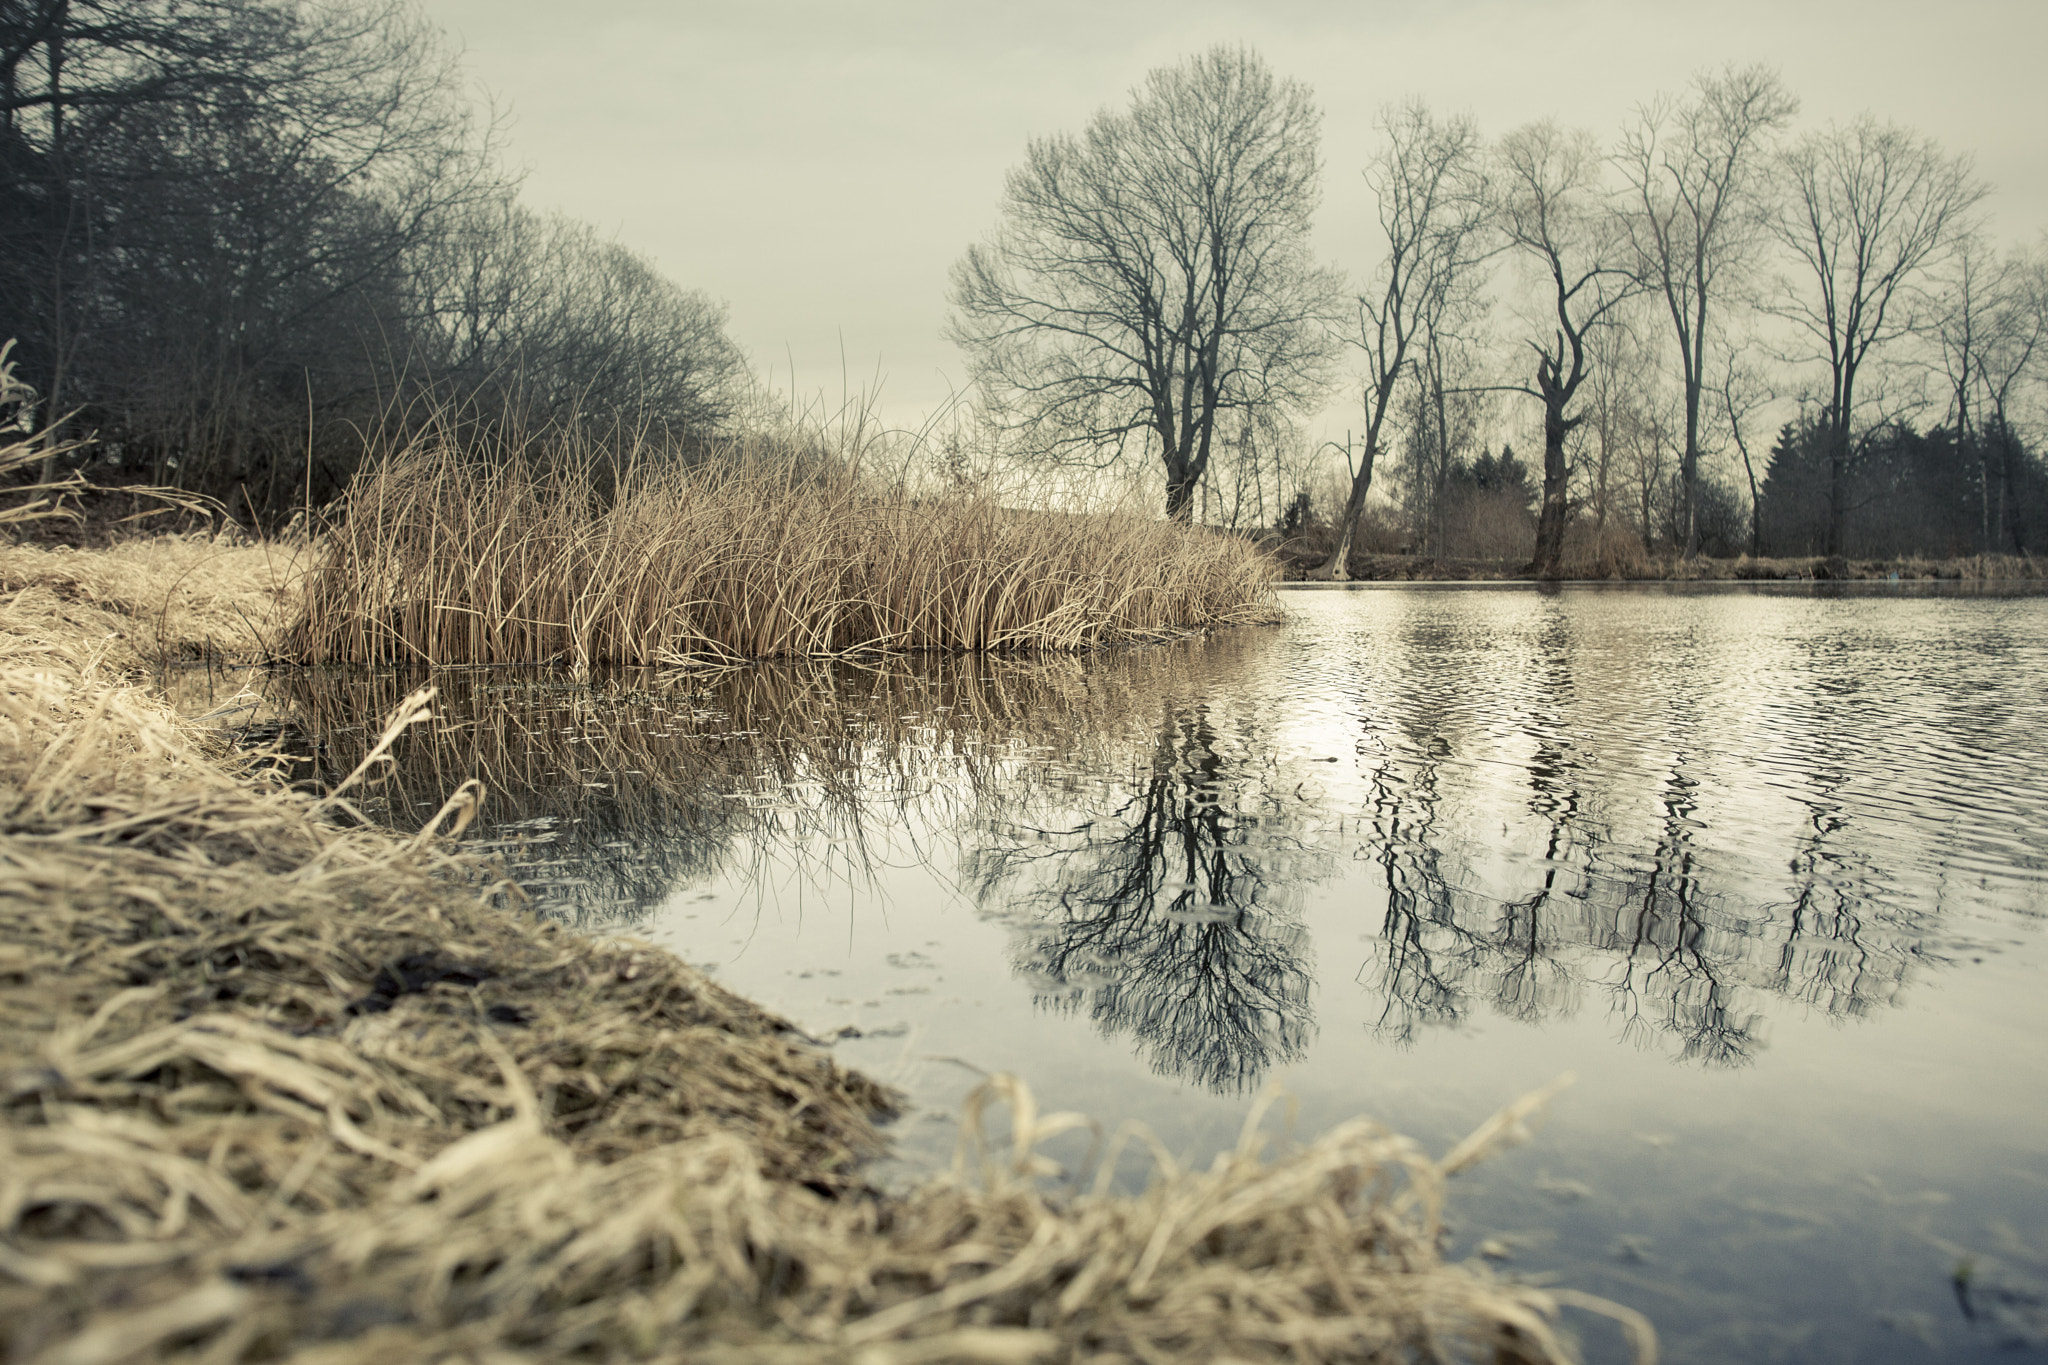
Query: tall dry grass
point(438, 558)
point(1611, 550)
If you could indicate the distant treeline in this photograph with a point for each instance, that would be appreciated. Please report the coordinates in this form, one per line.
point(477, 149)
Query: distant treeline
point(1931, 492)
point(1635, 310)
point(238, 235)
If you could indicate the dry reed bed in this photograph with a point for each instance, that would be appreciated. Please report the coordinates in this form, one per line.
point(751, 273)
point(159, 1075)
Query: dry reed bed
point(275, 1086)
point(441, 559)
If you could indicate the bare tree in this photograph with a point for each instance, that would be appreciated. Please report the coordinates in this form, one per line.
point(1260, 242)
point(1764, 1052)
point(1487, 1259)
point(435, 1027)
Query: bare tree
point(1447, 409)
point(1430, 177)
point(2017, 347)
point(71, 71)
point(1154, 273)
point(1742, 391)
point(1697, 171)
point(1555, 211)
point(1260, 466)
point(207, 206)
point(1870, 209)
point(1992, 329)
point(1623, 367)
point(535, 318)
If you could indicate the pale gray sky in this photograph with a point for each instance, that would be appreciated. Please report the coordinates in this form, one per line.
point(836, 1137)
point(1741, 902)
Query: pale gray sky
point(820, 165)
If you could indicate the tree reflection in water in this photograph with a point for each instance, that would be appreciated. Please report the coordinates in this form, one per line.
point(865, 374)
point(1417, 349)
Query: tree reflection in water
point(1561, 824)
point(1168, 910)
point(1624, 902)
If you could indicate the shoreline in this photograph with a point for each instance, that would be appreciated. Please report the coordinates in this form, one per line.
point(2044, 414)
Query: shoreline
point(280, 1085)
point(1392, 568)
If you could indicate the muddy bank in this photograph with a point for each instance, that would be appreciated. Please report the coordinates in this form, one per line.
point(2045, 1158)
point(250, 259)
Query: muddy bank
point(276, 1084)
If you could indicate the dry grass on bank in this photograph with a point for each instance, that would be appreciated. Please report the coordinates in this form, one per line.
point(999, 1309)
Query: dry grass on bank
point(277, 1087)
point(437, 559)
point(1609, 551)
point(1963, 568)
point(152, 600)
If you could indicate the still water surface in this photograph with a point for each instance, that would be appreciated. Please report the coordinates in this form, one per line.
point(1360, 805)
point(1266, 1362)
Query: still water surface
point(1766, 868)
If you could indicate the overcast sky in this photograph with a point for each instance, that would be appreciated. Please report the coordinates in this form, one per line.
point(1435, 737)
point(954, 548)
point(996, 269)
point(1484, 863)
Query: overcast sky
point(820, 164)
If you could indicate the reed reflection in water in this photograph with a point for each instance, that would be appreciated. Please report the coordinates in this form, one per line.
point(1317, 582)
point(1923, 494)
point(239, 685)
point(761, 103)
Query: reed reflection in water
point(606, 797)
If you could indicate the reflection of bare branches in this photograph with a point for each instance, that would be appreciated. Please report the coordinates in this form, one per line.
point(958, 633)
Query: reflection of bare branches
point(1672, 946)
point(1446, 949)
point(1532, 978)
point(1831, 956)
point(1164, 907)
point(1631, 907)
point(1427, 955)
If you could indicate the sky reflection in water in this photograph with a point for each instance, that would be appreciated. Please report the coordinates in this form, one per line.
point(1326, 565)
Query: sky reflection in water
point(1764, 867)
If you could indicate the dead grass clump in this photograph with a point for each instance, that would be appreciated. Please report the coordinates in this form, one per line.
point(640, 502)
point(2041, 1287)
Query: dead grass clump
point(152, 600)
point(1965, 569)
point(1969, 568)
point(219, 1014)
point(437, 559)
point(1609, 551)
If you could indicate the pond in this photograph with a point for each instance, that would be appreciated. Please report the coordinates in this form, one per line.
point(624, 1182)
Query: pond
point(1764, 867)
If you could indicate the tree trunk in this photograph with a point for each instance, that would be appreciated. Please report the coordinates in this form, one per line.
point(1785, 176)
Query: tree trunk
point(1550, 521)
point(1838, 488)
point(1336, 569)
point(1689, 474)
point(1756, 511)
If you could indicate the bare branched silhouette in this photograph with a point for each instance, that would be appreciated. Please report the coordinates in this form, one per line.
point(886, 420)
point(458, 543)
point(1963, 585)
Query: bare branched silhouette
point(1168, 914)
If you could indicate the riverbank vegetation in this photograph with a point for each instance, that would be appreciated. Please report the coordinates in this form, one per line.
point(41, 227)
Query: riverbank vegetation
point(1623, 559)
point(240, 238)
point(568, 555)
point(282, 1085)
point(239, 234)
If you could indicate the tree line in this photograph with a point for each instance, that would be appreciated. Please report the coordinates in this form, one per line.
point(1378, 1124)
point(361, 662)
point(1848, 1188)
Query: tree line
point(236, 236)
point(1636, 306)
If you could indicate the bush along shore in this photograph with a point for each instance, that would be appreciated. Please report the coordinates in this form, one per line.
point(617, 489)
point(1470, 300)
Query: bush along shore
point(279, 1085)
